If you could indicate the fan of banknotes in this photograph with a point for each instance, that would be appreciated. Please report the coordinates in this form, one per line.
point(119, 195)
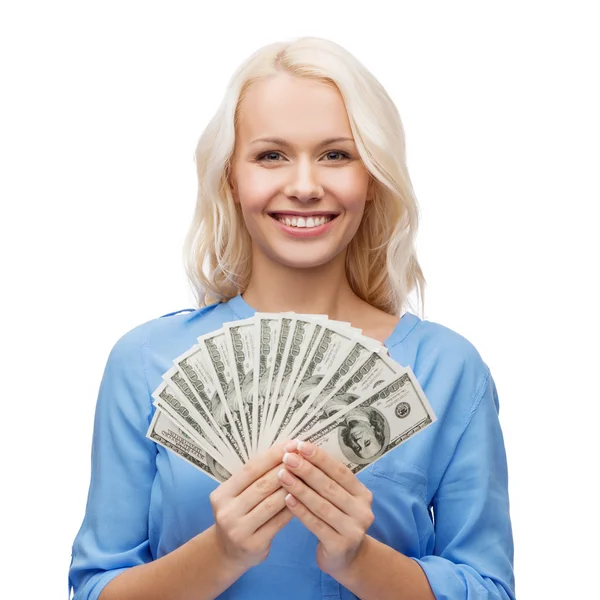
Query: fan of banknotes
point(280, 376)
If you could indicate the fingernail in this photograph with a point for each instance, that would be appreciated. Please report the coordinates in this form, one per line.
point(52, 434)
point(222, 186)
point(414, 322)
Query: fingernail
point(291, 460)
point(291, 446)
point(285, 477)
point(291, 500)
point(306, 448)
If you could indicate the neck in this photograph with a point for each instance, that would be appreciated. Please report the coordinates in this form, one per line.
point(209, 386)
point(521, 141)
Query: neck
point(320, 290)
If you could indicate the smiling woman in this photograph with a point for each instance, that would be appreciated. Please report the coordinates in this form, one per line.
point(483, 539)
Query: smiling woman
point(294, 139)
point(305, 205)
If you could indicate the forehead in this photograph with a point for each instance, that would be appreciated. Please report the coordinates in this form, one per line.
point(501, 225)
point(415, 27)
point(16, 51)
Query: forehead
point(292, 108)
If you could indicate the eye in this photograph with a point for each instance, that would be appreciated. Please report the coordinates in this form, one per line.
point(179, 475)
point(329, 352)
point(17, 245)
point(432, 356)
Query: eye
point(267, 156)
point(343, 154)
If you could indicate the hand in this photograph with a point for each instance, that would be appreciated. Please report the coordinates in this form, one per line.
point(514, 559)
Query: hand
point(330, 501)
point(250, 509)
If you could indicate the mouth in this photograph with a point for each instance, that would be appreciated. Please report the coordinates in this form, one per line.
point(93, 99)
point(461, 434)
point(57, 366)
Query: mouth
point(303, 220)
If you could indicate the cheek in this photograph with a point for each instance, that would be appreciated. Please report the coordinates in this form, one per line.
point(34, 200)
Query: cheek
point(256, 190)
point(351, 189)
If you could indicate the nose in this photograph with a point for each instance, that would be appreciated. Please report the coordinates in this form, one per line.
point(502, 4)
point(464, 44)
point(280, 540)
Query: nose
point(303, 185)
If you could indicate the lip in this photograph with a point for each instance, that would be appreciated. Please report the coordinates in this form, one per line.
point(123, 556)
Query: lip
point(303, 232)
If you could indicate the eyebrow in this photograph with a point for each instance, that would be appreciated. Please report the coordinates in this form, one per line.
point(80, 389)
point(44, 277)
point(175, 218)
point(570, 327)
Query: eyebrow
point(282, 142)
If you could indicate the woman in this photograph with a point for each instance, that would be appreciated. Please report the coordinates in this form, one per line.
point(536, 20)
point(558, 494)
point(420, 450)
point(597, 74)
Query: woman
point(305, 204)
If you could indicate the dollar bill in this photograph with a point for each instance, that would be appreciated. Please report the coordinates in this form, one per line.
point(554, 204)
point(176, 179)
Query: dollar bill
point(280, 350)
point(239, 337)
point(194, 397)
point(370, 428)
point(179, 409)
point(194, 368)
point(266, 334)
point(283, 375)
point(376, 370)
point(329, 350)
point(298, 343)
point(168, 434)
point(215, 356)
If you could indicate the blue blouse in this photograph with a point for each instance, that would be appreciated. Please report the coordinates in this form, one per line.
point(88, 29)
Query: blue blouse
point(440, 498)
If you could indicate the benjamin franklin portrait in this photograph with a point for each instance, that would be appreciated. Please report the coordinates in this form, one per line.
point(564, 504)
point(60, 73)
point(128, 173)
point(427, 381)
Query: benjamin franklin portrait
point(363, 435)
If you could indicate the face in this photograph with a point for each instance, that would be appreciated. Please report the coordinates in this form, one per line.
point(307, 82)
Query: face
point(302, 197)
point(364, 442)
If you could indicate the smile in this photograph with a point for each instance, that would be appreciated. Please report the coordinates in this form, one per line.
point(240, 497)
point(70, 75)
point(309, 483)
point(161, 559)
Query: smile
point(303, 222)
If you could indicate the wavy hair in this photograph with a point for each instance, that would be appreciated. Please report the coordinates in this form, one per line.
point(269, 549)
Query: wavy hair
point(381, 262)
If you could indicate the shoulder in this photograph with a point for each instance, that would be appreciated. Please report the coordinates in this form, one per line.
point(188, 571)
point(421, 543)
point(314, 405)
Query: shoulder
point(165, 329)
point(446, 363)
point(443, 343)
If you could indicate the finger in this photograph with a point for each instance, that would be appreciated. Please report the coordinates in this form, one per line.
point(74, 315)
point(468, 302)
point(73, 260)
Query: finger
point(320, 482)
point(259, 490)
point(336, 470)
point(256, 467)
point(264, 511)
point(324, 533)
point(268, 531)
point(320, 507)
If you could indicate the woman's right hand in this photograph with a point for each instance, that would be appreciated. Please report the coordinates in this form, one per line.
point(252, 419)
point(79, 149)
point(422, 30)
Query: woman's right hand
point(249, 509)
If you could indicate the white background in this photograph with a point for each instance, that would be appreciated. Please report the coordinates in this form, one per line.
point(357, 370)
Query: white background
point(102, 106)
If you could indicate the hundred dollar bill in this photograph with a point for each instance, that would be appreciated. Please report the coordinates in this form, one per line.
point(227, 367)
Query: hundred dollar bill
point(328, 351)
point(187, 428)
point(266, 334)
point(168, 434)
point(239, 337)
point(290, 399)
point(361, 382)
point(215, 356)
point(196, 400)
point(192, 365)
point(297, 346)
point(280, 348)
point(168, 398)
point(369, 428)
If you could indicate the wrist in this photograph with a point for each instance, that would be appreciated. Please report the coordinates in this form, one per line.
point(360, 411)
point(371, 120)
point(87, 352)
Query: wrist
point(230, 567)
point(351, 570)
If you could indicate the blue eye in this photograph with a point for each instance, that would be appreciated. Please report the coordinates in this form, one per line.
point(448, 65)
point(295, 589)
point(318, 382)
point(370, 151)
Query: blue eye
point(343, 154)
point(263, 157)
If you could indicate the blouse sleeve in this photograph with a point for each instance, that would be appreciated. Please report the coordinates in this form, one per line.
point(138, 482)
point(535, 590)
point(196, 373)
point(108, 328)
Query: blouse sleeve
point(114, 534)
point(473, 555)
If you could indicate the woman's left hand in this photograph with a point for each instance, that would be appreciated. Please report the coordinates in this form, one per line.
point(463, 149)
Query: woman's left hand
point(330, 501)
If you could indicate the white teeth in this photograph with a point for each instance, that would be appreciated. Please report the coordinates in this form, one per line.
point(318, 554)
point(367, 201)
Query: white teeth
point(304, 222)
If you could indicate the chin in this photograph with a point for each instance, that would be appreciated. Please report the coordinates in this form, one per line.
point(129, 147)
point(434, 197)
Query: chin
point(304, 258)
point(303, 262)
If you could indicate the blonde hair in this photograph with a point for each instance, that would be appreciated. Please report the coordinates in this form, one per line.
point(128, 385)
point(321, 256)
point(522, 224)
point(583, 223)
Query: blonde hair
point(381, 262)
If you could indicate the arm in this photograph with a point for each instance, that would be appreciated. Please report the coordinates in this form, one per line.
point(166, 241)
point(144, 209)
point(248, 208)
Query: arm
point(111, 555)
point(178, 575)
point(474, 550)
point(114, 532)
